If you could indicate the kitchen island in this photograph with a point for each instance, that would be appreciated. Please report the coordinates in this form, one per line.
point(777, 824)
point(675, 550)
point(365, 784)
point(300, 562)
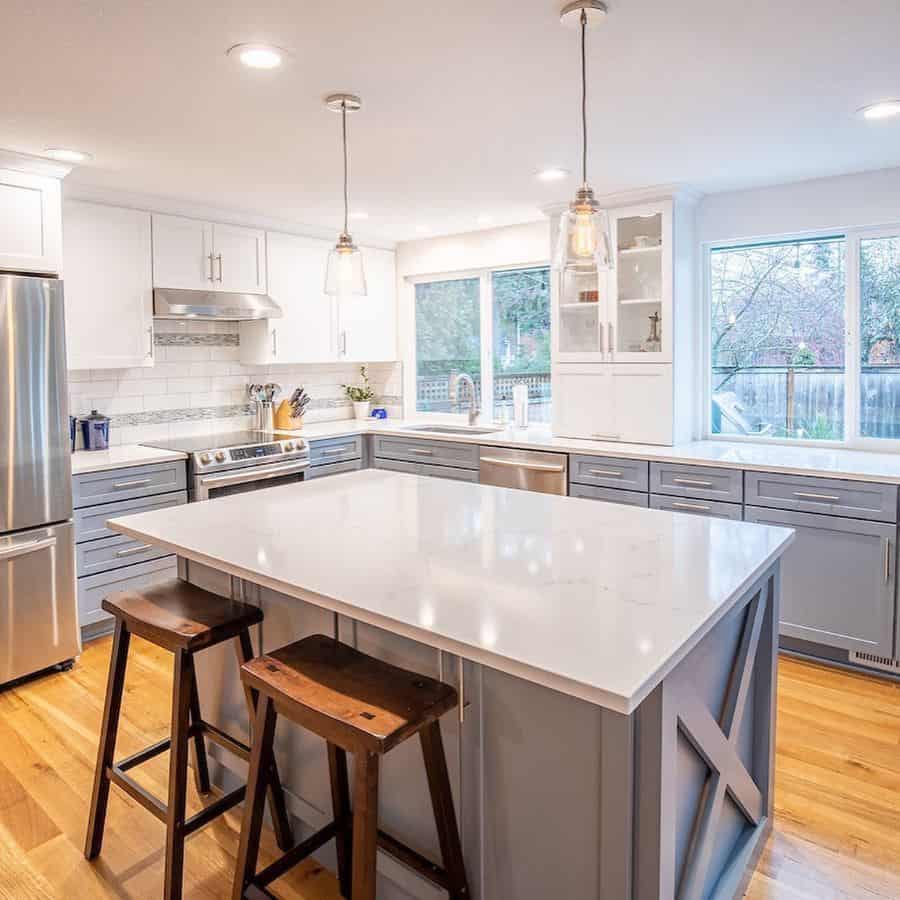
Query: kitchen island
point(616, 668)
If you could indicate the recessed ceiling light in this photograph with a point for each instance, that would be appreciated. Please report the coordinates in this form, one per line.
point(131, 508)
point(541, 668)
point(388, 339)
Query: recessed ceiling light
point(359, 214)
point(553, 173)
point(257, 56)
point(485, 220)
point(66, 154)
point(886, 109)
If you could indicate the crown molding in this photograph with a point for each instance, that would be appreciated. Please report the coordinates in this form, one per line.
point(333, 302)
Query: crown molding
point(33, 165)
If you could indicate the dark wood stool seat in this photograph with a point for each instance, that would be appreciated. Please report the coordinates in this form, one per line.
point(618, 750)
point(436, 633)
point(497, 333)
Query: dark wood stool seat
point(361, 705)
point(184, 619)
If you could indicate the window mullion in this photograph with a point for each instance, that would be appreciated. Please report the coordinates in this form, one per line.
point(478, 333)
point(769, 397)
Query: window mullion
point(852, 365)
point(487, 345)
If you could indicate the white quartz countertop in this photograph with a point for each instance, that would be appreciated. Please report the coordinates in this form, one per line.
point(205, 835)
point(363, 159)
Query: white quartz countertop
point(121, 457)
point(858, 465)
point(597, 600)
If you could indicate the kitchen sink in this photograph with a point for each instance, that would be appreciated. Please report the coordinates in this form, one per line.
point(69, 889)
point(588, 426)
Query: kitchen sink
point(452, 429)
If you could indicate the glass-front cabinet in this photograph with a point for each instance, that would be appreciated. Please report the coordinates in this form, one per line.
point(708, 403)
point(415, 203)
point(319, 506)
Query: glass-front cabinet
point(625, 314)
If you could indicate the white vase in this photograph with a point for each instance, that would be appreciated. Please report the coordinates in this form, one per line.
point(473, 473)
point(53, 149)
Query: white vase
point(361, 410)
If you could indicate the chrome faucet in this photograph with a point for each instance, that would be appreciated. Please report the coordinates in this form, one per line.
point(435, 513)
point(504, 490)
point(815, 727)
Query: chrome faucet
point(455, 379)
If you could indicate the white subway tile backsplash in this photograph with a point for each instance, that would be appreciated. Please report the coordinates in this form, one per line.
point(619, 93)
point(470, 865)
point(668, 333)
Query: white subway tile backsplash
point(188, 385)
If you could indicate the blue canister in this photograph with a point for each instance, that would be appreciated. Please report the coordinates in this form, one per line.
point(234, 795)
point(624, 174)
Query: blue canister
point(73, 431)
point(379, 413)
point(95, 431)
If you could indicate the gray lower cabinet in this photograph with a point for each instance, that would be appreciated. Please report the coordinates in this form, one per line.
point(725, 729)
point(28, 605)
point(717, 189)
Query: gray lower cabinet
point(352, 465)
point(838, 580)
point(716, 508)
point(334, 450)
point(425, 450)
point(608, 495)
point(699, 482)
point(397, 465)
point(107, 561)
point(610, 472)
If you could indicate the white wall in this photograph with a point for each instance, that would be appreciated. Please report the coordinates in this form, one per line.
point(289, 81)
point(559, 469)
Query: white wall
point(846, 201)
point(493, 248)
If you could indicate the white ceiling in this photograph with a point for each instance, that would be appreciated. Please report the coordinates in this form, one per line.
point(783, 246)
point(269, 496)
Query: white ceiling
point(463, 101)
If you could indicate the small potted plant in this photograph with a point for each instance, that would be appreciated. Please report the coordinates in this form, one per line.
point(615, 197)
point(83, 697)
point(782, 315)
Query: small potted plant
point(360, 396)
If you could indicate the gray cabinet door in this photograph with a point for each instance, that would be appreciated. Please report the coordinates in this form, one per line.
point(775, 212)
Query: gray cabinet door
point(441, 453)
point(333, 450)
point(610, 472)
point(92, 488)
point(609, 495)
point(701, 482)
point(715, 508)
point(838, 580)
point(351, 465)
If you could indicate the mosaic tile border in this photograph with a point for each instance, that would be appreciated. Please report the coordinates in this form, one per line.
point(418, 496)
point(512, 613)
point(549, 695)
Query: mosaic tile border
point(177, 339)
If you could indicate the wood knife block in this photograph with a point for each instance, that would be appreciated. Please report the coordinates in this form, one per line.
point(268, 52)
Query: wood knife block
point(284, 421)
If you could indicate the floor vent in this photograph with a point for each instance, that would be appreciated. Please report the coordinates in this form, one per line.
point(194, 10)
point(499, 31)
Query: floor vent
point(885, 663)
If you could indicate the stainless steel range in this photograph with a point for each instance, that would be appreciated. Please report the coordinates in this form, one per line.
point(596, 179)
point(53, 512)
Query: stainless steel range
point(237, 462)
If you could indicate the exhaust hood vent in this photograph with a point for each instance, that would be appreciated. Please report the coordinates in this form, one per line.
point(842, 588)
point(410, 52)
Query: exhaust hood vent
point(176, 304)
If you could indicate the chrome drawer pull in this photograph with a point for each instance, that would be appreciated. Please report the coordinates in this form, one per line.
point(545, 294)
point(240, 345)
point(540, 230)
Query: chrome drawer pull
point(421, 452)
point(610, 437)
point(334, 451)
point(612, 473)
point(830, 497)
point(26, 547)
point(693, 482)
point(517, 464)
point(130, 551)
point(887, 560)
point(697, 506)
point(131, 484)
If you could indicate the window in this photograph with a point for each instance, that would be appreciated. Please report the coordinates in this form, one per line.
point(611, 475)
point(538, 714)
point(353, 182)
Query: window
point(494, 326)
point(786, 320)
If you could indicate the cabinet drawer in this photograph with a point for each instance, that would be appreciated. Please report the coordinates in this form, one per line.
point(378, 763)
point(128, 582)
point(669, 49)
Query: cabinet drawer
point(716, 508)
point(90, 522)
point(93, 588)
point(832, 496)
point(838, 580)
point(125, 484)
point(696, 481)
point(395, 465)
point(611, 472)
point(93, 557)
point(442, 453)
point(335, 450)
point(610, 495)
point(352, 465)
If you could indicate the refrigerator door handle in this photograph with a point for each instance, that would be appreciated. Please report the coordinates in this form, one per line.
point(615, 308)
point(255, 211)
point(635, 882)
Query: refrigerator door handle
point(26, 547)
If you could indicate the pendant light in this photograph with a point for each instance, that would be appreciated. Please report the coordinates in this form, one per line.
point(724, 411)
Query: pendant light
point(345, 275)
point(584, 244)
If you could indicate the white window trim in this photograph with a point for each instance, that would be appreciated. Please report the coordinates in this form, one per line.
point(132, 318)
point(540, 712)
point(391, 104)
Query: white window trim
point(852, 438)
point(408, 339)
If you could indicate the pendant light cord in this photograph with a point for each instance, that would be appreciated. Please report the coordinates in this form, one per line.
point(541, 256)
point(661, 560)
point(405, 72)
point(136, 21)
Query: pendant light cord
point(346, 187)
point(584, 96)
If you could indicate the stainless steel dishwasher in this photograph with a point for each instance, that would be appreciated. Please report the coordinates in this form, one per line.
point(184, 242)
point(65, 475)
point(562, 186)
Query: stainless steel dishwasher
point(527, 470)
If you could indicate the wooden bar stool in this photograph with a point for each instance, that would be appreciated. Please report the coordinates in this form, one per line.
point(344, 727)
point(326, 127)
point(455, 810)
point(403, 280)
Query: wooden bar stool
point(184, 619)
point(365, 706)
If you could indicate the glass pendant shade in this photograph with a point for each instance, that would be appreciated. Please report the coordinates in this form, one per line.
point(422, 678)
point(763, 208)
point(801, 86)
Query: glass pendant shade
point(345, 275)
point(583, 241)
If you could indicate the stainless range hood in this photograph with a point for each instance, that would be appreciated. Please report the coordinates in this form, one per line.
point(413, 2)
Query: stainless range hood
point(174, 304)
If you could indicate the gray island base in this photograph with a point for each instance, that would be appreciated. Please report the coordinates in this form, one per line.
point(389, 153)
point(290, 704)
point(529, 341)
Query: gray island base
point(557, 797)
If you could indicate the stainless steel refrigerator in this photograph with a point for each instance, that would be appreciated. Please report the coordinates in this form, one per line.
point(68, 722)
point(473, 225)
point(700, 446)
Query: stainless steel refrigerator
point(38, 608)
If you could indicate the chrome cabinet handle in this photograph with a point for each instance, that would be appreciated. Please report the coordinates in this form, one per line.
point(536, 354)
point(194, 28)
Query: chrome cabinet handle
point(612, 473)
point(611, 341)
point(26, 547)
point(677, 504)
point(130, 551)
point(603, 338)
point(274, 342)
point(421, 451)
point(608, 437)
point(219, 258)
point(887, 560)
point(833, 498)
point(150, 342)
point(334, 451)
point(694, 482)
point(514, 464)
point(131, 484)
point(462, 691)
point(343, 343)
point(211, 277)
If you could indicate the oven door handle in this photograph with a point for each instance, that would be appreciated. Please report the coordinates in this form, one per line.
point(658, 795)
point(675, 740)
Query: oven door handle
point(245, 476)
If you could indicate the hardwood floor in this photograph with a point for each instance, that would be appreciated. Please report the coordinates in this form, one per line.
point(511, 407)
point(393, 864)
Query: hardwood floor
point(837, 830)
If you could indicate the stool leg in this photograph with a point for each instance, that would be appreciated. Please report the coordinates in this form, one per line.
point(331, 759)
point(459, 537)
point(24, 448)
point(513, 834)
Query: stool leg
point(444, 813)
point(281, 821)
point(365, 824)
point(111, 708)
point(261, 756)
point(178, 766)
point(201, 766)
point(340, 802)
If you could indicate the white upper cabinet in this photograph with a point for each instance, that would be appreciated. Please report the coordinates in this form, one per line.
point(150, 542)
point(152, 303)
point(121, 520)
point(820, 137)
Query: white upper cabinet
point(306, 332)
point(30, 223)
point(240, 258)
point(108, 286)
point(190, 254)
point(182, 254)
point(368, 325)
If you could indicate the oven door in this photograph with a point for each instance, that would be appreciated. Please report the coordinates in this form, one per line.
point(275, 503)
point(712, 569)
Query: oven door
point(221, 484)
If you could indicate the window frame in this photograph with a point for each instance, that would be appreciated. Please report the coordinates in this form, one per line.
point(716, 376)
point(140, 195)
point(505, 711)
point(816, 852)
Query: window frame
point(486, 319)
point(852, 237)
